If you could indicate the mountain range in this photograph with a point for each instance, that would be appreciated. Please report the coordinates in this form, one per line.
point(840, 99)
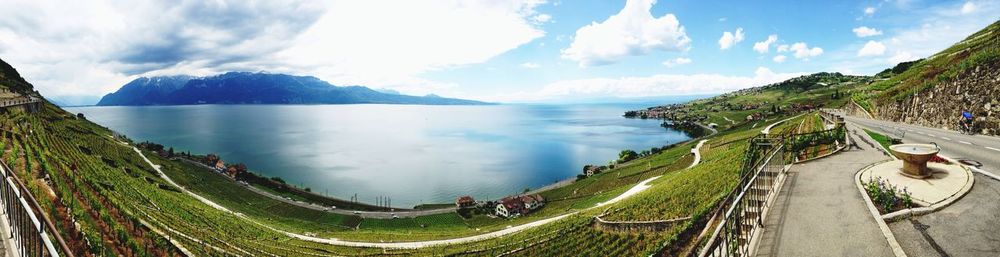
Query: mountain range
point(257, 88)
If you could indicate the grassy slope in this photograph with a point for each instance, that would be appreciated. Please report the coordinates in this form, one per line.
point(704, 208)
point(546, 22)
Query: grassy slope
point(802, 90)
point(980, 47)
point(111, 192)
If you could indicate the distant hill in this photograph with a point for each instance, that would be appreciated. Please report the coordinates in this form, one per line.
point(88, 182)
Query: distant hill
point(934, 91)
point(257, 88)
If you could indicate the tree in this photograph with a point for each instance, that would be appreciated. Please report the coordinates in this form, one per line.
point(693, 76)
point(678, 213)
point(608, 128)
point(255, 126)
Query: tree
point(170, 153)
point(627, 155)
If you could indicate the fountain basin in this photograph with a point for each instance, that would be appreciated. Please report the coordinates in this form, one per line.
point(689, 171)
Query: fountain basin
point(915, 157)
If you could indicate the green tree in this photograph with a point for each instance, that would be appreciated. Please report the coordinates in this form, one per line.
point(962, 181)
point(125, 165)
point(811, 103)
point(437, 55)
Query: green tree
point(627, 155)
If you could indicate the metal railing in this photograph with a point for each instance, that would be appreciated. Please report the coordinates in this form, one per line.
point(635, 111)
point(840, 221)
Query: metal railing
point(29, 234)
point(762, 165)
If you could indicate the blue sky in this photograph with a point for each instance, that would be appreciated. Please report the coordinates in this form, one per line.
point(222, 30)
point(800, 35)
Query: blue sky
point(509, 51)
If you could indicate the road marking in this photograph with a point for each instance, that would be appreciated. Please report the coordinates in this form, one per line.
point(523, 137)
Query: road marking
point(910, 130)
point(931, 135)
point(945, 138)
point(991, 148)
point(964, 142)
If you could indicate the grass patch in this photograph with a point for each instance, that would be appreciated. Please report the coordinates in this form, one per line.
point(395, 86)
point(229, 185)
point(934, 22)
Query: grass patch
point(882, 140)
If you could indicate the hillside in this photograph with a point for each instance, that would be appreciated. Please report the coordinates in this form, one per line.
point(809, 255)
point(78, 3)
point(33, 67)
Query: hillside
point(757, 105)
point(934, 91)
point(256, 88)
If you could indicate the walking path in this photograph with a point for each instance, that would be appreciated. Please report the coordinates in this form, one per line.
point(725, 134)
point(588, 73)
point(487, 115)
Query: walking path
point(768, 128)
point(417, 244)
point(820, 211)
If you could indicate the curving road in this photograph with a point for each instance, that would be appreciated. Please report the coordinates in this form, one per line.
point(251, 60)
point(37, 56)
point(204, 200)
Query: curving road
point(984, 149)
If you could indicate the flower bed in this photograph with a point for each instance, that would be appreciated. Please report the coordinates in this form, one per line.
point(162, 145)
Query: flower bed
point(886, 197)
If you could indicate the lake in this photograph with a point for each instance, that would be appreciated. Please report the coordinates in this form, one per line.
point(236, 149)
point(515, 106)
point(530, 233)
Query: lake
point(411, 153)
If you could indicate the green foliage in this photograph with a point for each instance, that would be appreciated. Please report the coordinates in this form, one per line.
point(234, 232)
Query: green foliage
point(627, 155)
point(887, 197)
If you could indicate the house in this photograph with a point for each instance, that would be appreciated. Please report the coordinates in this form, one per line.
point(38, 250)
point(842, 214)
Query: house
point(465, 202)
point(532, 202)
point(513, 206)
point(509, 207)
point(591, 170)
point(220, 165)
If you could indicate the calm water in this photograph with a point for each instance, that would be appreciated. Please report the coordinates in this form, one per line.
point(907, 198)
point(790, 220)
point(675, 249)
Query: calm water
point(413, 154)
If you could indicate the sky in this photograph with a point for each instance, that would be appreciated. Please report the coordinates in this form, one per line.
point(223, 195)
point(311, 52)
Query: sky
point(493, 50)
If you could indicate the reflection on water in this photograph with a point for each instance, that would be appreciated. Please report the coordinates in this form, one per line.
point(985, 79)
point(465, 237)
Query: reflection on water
point(413, 154)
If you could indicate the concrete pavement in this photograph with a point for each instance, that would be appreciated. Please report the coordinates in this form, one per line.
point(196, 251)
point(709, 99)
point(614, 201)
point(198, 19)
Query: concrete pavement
point(819, 211)
point(968, 227)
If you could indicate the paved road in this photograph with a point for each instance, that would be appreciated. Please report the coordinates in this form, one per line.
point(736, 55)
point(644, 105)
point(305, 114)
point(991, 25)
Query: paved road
point(969, 227)
point(984, 149)
point(819, 211)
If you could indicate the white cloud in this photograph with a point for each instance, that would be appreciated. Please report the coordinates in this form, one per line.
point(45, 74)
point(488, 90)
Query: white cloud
point(729, 39)
point(869, 10)
point(98, 46)
point(802, 51)
point(968, 7)
point(364, 43)
point(541, 18)
point(656, 85)
point(633, 31)
point(901, 56)
point(530, 65)
point(872, 48)
point(677, 61)
point(782, 48)
point(866, 31)
point(779, 58)
point(762, 47)
point(931, 31)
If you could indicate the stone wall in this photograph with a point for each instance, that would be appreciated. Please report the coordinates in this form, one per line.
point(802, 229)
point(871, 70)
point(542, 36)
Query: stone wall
point(977, 90)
